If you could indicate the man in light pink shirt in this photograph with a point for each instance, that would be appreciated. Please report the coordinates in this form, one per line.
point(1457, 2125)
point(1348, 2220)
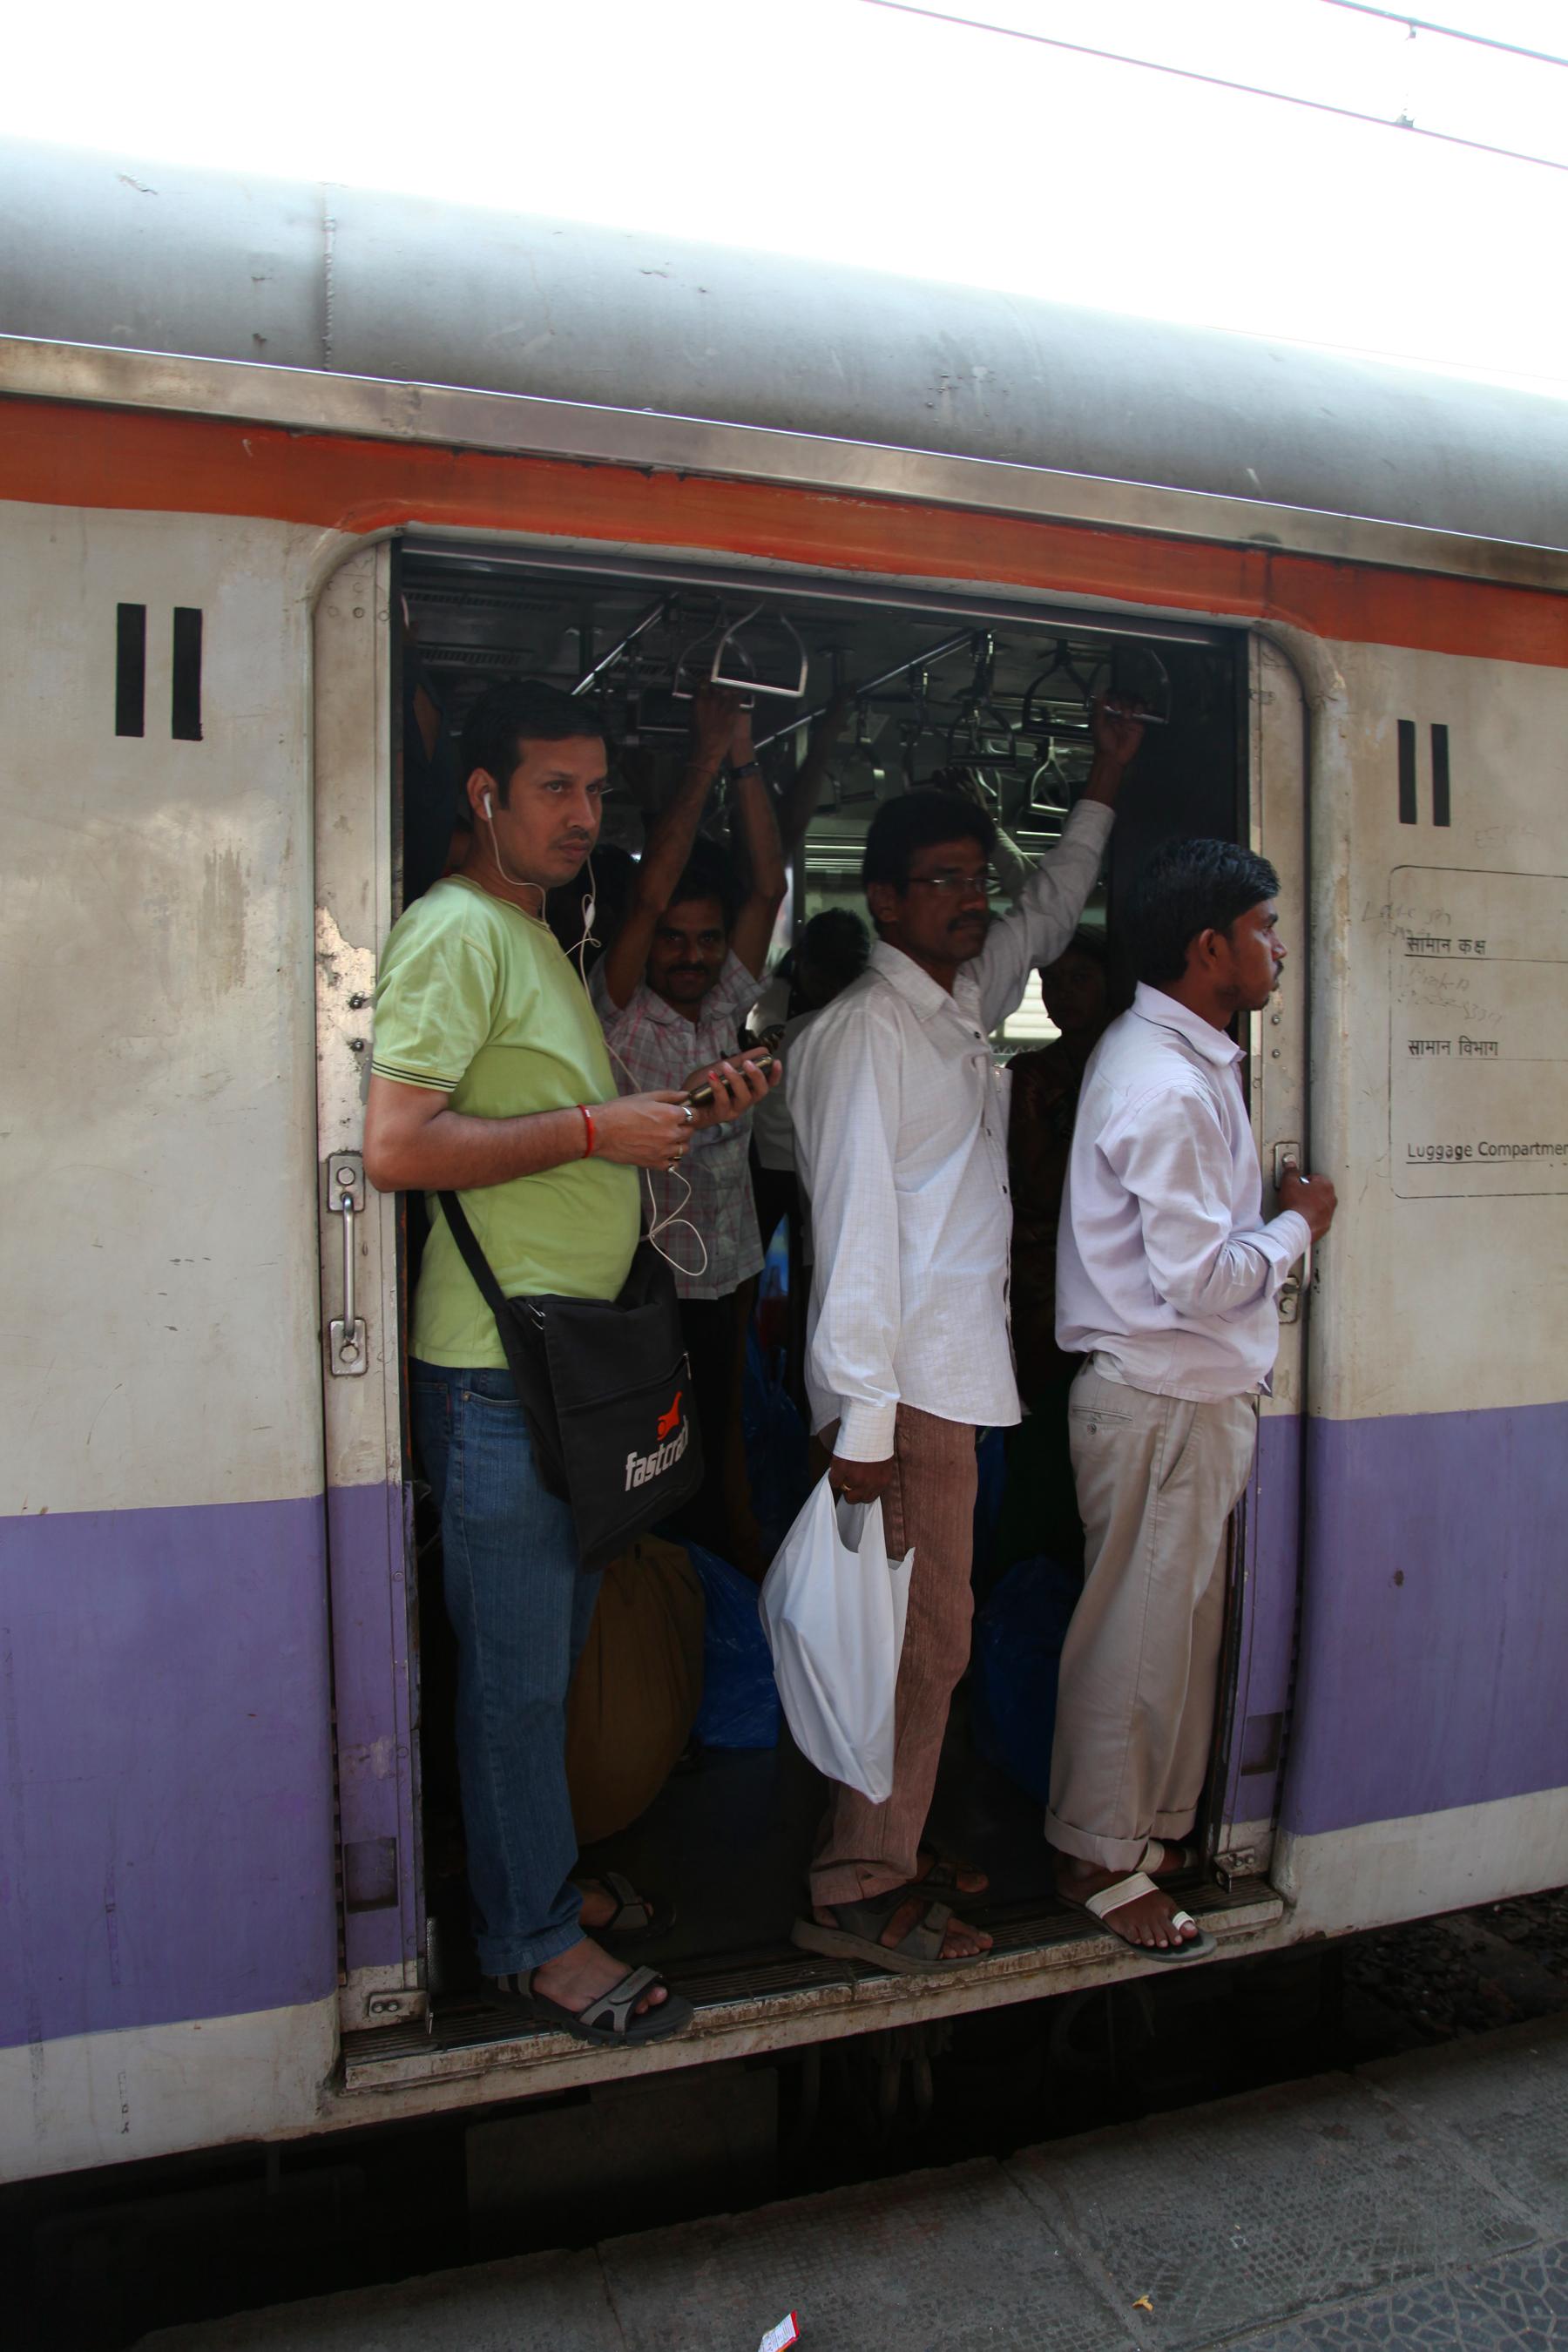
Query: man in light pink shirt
point(671, 991)
point(1167, 1279)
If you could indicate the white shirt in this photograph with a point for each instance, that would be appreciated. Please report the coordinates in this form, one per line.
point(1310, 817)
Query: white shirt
point(772, 1121)
point(901, 1122)
point(1165, 1269)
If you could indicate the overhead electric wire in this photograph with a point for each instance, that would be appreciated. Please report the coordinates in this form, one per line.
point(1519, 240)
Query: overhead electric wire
point(1448, 32)
point(1212, 81)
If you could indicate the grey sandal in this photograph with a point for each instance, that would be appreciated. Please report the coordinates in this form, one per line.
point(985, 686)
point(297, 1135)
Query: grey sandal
point(610, 2020)
point(639, 1918)
point(857, 1931)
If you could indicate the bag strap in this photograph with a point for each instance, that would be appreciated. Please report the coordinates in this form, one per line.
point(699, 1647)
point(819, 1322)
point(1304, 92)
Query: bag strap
point(530, 1374)
point(472, 1255)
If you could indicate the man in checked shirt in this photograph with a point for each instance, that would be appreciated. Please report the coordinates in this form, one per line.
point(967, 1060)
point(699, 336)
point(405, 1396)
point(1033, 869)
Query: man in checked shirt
point(900, 1115)
point(671, 991)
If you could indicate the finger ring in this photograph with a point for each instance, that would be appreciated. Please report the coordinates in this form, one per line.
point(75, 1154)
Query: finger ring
point(690, 1115)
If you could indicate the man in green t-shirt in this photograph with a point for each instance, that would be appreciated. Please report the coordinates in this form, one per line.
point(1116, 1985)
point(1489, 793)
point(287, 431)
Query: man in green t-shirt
point(490, 1077)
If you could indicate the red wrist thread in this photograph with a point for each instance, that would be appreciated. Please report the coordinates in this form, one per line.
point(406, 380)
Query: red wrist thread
point(588, 1123)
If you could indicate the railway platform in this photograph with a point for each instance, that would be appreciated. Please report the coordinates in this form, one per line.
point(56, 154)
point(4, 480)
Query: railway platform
point(1419, 2201)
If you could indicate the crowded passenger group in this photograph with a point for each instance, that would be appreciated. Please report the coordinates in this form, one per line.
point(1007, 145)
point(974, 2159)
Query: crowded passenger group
point(1074, 1250)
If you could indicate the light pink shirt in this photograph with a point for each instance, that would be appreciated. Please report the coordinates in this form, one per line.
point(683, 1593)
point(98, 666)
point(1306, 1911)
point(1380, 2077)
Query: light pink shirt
point(1165, 1269)
point(654, 1045)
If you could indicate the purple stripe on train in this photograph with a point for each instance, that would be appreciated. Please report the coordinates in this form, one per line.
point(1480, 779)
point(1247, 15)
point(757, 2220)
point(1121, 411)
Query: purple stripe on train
point(368, 1536)
point(166, 1834)
point(166, 1831)
point(1435, 1616)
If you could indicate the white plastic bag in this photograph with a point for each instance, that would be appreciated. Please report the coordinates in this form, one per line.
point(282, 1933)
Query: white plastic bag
point(833, 1608)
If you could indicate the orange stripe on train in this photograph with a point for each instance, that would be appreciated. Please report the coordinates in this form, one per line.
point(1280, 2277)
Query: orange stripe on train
point(70, 456)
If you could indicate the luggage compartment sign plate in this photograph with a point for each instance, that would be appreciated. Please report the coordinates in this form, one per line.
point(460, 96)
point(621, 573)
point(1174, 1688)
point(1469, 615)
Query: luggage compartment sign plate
point(1478, 1032)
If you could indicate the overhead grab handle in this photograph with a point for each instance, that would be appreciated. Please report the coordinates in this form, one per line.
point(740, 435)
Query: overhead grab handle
point(981, 734)
point(872, 686)
point(791, 657)
point(1059, 702)
point(1049, 792)
point(689, 664)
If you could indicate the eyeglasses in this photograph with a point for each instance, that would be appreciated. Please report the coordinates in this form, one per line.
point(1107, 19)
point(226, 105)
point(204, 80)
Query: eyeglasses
point(953, 884)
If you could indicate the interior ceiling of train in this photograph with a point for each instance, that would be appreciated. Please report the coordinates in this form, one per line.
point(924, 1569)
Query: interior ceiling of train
point(999, 705)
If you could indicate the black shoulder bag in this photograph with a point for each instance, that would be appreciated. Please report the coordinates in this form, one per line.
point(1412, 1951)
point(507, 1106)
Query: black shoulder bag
point(605, 1390)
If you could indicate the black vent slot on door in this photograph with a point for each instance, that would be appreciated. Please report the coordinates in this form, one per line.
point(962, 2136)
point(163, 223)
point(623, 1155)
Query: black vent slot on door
point(1440, 804)
point(1407, 772)
point(130, 670)
point(186, 706)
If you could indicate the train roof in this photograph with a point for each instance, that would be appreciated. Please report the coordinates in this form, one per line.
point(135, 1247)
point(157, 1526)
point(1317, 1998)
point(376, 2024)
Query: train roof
point(118, 252)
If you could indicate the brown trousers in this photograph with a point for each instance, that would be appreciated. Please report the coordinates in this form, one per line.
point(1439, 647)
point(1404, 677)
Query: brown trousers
point(930, 1507)
point(1157, 1479)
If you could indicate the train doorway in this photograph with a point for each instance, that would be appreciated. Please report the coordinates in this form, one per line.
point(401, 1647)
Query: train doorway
point(991, 696)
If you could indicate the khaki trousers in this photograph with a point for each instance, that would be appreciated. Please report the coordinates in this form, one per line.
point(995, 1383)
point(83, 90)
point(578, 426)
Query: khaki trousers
point(929, 1505)
point(1157, 1480)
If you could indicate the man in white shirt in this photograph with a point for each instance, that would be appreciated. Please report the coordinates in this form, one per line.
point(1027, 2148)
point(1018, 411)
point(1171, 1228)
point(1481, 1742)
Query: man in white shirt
point(1167, 1279)
point(900, 1115)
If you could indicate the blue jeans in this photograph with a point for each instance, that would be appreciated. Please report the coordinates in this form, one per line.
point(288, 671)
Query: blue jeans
point(521, 1608)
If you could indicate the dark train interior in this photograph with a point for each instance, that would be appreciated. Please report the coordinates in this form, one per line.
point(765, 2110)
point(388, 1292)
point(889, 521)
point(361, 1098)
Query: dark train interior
point(991, 697)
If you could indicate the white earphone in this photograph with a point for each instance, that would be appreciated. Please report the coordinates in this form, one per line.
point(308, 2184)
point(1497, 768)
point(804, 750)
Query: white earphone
point(659, 1226)
point(502, 865)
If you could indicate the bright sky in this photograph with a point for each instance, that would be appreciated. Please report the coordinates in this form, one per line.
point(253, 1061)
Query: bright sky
point(843, 129)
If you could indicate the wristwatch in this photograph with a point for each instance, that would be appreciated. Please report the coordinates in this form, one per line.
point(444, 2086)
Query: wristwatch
point(746, 768)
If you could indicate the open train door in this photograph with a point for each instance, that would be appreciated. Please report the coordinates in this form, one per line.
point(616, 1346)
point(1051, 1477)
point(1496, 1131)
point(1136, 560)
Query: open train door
point(374, 1600)
point(1252, 1717)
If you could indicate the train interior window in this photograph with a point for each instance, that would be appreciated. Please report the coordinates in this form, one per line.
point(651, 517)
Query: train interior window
point(681, 1775)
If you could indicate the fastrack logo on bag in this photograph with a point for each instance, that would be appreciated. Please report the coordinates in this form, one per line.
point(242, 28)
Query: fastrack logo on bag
point(673, 1436)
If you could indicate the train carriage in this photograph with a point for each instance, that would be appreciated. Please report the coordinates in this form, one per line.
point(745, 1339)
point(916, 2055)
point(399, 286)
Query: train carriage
point(260, 446)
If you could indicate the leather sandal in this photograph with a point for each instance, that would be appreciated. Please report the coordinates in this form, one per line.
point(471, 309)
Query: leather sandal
point(610, 2020)
point(942, 1877)
point(857, 1934)
point(1128, 1890)
point(1166, 1861)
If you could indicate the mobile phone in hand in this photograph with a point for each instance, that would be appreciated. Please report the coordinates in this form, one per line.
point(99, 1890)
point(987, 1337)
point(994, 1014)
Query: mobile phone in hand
point(762, 1056)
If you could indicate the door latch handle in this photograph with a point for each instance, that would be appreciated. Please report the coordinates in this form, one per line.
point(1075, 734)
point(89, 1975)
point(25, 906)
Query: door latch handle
point(348, 1348)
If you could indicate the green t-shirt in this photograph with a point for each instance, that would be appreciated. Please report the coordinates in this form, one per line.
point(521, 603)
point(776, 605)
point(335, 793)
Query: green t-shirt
point(476, 999)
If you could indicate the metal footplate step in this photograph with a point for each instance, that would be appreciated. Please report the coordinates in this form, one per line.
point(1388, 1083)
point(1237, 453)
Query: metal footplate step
point(783, 1999)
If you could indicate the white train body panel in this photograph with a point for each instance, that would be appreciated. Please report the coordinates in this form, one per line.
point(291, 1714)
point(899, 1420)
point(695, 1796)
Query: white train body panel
point(188, 929)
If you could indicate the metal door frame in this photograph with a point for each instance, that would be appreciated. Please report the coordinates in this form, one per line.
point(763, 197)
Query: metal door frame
point(1258, 1662)
point(371, 1567)
point(371, 1559)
